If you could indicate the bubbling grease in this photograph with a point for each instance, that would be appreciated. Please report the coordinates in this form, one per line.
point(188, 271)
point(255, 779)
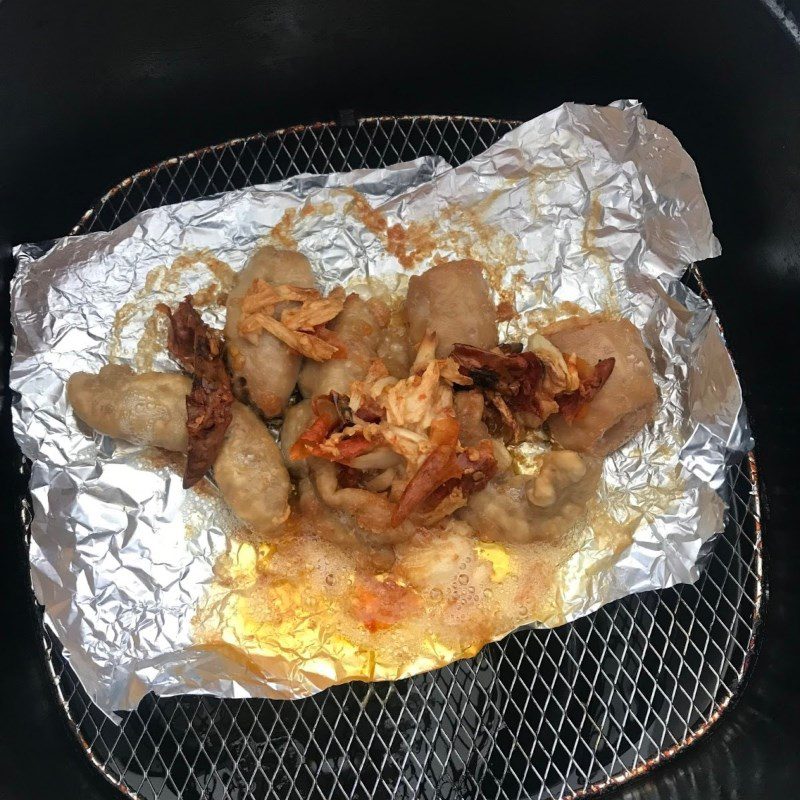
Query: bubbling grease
point(301, 605)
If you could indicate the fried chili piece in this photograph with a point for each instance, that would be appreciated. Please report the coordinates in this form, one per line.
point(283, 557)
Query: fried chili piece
point(208, 415)
point(478, 466)
point(342, 404)
point(332, 414)
point(444, 470)
point(350, 448)
point(199, 350)
point(439, 467)
point(369, 410)
point(327, 420)
point(513, 382)
point(508, 426)
point(572, 404)
point(516, 377)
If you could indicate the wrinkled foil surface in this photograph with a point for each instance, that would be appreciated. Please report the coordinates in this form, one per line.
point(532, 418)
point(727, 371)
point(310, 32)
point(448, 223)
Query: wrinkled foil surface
point(592, 206)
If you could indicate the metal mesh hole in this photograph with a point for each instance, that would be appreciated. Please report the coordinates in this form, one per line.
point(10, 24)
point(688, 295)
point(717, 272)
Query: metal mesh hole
point(542, 714)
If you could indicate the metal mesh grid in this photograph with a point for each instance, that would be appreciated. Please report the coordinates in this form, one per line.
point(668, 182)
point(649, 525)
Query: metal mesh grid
point(542, 714)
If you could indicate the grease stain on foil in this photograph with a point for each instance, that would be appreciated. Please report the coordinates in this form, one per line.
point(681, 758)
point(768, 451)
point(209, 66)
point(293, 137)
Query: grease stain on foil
point(139, 327)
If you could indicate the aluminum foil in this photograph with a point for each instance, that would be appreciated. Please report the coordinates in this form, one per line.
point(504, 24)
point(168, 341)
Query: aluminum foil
point(592, 206)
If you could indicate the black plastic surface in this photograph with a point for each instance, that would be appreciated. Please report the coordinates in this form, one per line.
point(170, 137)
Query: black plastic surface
point(90, 93)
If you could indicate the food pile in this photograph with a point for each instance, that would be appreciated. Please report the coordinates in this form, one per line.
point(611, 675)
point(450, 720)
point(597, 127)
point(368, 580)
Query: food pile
point(396, 417)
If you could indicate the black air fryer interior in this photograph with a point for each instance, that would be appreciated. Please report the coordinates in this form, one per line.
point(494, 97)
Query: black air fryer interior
point(91, 94)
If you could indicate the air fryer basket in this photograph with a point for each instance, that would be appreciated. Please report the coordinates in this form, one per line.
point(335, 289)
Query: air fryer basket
point(544, 713)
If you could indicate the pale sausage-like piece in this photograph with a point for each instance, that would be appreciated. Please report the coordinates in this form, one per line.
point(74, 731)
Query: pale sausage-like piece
point(358, 327)
point(524, 509)
point(146, 409)
point(452, 300)
point(150, 409)
point(627, 401)
point(250, 473)
point(265, 372)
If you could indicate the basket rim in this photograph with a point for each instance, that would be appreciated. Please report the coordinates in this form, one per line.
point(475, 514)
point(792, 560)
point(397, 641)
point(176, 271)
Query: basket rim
point(80, 226)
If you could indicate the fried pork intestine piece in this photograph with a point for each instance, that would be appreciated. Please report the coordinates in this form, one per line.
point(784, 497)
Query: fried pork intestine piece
point(345, 516)
point(264, 368)
point(627, 401)
point(453, 300)
point(145, 409)
point(358, 328)
point(405, 435)
point(339, 528)
point(336, 524)
point(371, 511)
point(150, 409)
point(522, 509)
